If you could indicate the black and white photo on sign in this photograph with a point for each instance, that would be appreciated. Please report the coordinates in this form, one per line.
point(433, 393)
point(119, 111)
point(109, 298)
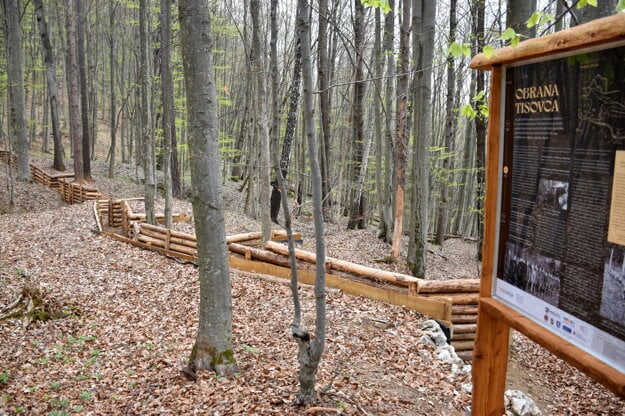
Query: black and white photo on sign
point(613, 293)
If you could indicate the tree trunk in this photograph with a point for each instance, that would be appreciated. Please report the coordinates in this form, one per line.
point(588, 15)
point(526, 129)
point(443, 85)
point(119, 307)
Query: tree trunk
point(84, 92)
point(358, 158)
point(213, 345)
point(443, 203)
point(480, 127)
point(604, 8)
point(423, 26)
point(149, 157)
point(113, 106)
point(324, 105)
point(311, 348)
point(517, 13)
point(386, 223)
point(264, 168)
point(402, 130)
point(15, 81)
point(167, 87)
point(48, 58)
point(74, 93)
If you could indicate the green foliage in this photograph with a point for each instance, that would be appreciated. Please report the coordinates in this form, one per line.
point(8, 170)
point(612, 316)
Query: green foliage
point(4, 377)
point(488, 51)
point(583, 3)
point(458, 49)
point(620, 6)
point(479, 108)
point(382, 4)
point(510, 35)
point(540, 18)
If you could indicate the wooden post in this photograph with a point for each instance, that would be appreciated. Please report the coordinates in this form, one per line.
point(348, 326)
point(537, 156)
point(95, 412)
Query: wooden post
point(490, 357)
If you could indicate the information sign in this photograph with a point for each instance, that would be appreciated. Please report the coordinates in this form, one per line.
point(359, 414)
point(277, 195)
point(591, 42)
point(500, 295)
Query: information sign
point(561, 251)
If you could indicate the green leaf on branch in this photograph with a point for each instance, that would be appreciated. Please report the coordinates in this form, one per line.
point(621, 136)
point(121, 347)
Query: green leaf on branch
point(512, 36)
point(489, 51)
point(540, 18)
point(381, 4)
point(458, 49)
point(468, 111)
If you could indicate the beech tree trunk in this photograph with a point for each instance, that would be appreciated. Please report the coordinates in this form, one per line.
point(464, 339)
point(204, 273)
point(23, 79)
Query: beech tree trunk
point(443, 203)
point(84, 92)
point(311, 348)
point(386, 222)
point(149, 157)
point(167, 94)
point(213, 344)
point(73, 89)
point(113, 109)
point(15, 81)
point(359, 148)
point(423, 26)
point(48, 59)
point(262, 120)
point(402, 130)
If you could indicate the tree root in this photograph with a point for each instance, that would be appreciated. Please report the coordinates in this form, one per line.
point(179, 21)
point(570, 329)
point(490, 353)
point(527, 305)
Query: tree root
point(30, 306)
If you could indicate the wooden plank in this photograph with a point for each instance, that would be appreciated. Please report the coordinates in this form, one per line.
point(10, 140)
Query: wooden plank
point(585, 362)
point(429, 307)
point(599, 31)
point(490, 364)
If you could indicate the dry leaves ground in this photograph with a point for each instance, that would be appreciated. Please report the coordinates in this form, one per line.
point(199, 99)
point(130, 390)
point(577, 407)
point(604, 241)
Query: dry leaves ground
point(130, 319)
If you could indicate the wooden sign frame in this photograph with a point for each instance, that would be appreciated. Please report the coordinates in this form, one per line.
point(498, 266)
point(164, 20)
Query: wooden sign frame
point(490, 358)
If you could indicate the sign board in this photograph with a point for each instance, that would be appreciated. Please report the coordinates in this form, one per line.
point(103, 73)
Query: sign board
point(554, 209)
point(561, 250)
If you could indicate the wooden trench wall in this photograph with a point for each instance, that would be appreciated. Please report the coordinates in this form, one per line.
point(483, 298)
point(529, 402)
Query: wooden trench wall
point(453, 302)
point(71, 192)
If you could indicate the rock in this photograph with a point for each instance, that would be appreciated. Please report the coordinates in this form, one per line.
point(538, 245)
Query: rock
point(518, 403)
point(434, 331)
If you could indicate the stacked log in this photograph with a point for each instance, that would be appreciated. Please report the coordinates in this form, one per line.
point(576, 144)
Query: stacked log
point(464, 294)
point(356, 269)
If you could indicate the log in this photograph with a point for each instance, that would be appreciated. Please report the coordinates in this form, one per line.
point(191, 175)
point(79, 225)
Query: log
point(608, 29)
point(465, 355)
point(182, 249)
point(464, 328)
point(464, 310)
point(467, 336)
point(259, 254)
point(456, 298)
point(147, 240)
point(449, 286)
point(345, 266)
point(463, 345)
point(464, 319)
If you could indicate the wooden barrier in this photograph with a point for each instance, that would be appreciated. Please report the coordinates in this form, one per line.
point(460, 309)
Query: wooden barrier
point(454, 301)
point(464, 295)
point(71, 192)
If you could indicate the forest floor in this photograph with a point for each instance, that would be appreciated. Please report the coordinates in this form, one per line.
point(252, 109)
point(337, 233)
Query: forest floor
point(127, 321)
